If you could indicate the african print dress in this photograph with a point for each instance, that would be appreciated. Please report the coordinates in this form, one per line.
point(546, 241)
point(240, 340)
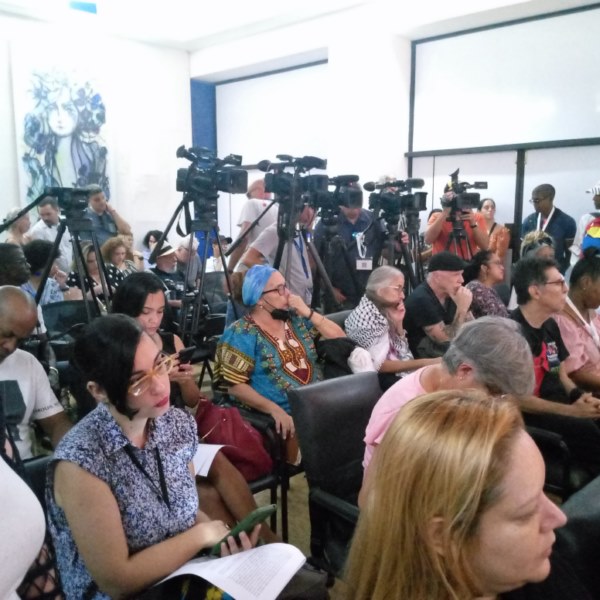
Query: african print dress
point(271, 366)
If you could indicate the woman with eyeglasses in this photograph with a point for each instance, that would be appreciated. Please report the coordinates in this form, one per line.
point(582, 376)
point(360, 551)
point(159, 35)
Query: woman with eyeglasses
point(224, 491)
point(122, 501)
point(485, 270)
point(142, 296)
point(271, 349)
point(376, 324)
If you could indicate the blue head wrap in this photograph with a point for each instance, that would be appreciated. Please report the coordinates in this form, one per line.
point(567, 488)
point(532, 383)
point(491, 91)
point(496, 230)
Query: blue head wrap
point(254, 283)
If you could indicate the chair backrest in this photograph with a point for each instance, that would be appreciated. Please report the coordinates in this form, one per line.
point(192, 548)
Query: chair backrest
point(59, 317)
point(339, 318)
point(579, 540)
point(330, 418)
point(214, 289)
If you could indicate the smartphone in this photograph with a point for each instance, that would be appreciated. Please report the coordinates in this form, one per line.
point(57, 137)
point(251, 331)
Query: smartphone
point(185, 354)
point(247, 524)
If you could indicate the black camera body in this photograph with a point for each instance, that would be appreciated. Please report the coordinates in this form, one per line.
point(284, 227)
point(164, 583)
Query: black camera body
point(462, 200)
point(208, 174)
point(70, 200)
point(396, 198)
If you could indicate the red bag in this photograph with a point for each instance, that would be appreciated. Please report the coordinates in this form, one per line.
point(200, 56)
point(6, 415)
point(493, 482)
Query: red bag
point(243, 444)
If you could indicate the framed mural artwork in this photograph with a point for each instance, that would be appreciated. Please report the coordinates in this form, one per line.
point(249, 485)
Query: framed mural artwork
point(60, 122)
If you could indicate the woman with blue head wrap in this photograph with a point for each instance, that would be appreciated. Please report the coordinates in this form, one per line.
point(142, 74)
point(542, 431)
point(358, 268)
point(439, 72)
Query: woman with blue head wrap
point(271, 349)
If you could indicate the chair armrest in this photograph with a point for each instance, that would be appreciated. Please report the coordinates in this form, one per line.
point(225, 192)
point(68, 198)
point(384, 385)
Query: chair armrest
point(340, 507)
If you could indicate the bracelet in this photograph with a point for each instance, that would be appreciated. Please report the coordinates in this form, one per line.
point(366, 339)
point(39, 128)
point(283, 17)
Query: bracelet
point(575, 394)
point(310, 314)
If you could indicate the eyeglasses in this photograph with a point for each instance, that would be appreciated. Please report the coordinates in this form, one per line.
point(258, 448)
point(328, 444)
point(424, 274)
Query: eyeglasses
point(280, 289)
point(163, 367)
point(398, 288)
point(560, 282)
point(536, 200)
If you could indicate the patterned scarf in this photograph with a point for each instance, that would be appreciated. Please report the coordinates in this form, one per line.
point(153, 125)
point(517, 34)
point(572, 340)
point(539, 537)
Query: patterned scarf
point(366, 326)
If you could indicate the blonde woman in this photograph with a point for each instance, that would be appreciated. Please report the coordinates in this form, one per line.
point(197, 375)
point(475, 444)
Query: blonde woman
point(455, 508)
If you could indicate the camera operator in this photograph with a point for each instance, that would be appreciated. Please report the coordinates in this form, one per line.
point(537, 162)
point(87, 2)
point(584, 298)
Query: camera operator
point(441, 227)
point(363, 240)
point(264, 249)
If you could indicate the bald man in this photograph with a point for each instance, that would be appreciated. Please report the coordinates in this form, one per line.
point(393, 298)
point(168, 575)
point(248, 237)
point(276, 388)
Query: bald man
point(24, 387)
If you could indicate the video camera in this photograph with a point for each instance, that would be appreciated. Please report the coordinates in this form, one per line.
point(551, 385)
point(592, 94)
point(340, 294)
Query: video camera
point(70, 200)
point(208, 174)
point(396, 197)
point(283, 183)
point(462, 199)
point(329, 202)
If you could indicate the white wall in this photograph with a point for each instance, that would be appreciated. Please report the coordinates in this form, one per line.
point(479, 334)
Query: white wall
point(530, 82)
point(147, 99)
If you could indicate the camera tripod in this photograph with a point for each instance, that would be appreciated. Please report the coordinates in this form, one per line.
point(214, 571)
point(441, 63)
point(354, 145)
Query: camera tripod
point(331, 246)
point(411, 252)
point(458, 242)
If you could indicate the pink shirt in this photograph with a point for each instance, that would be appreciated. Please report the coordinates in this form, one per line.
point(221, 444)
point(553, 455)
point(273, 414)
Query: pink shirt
point(387, 408)
point(583, 352)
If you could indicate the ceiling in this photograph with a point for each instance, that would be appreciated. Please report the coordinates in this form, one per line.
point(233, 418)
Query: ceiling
point(192, 24)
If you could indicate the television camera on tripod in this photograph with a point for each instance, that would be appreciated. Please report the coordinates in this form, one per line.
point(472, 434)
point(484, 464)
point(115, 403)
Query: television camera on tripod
point(461, 204)
point(395, 203)
point(200, 183)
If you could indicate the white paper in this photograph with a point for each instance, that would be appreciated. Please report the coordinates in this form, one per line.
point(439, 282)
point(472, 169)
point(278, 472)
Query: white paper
point(257, 574)
point(204, 457)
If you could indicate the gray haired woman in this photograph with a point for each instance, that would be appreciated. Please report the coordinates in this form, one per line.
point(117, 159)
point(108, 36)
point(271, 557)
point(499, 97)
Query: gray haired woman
point(376, 325)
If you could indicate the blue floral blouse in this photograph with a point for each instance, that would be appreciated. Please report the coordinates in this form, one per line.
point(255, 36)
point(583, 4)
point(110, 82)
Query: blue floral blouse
point(98, 445)
point(247, 354)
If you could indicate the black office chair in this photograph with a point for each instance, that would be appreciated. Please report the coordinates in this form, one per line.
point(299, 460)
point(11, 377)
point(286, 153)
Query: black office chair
point(339, 318)
point(214, 289)
point(331, 417)
point(564, 476)
point(578, 542)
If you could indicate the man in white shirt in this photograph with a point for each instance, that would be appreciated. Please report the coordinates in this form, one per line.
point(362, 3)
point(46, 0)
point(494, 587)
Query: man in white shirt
point(47, 228)
point(257, 201)
point(24, 387)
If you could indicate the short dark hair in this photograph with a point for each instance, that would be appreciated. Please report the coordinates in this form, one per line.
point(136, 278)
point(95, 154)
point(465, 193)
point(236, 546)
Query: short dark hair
point(530, 271)
point(37, 253)
point(49, 201)
point(131, 294)
point(546, 190)
point(588, 265)
point(104, 352)
point(92, 189)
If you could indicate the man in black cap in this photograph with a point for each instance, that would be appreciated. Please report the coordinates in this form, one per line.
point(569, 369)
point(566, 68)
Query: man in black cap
point(437, 307)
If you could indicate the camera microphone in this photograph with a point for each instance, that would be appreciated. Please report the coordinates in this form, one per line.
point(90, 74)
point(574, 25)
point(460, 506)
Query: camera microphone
point(341, 180)
point(371, 186)
point(312, 162)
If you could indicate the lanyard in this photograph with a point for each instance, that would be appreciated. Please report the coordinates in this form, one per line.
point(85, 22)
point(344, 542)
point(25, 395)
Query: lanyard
point(301, 253)
point(589, 327)
point(539, 220)
point(163, 493)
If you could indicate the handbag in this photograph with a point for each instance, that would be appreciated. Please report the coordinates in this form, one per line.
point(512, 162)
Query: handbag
point(243, 444)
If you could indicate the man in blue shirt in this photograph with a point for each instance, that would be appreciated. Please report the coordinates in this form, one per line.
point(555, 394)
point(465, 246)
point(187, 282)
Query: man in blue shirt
point(353, 255)
point(105, 220)
point(553, 221)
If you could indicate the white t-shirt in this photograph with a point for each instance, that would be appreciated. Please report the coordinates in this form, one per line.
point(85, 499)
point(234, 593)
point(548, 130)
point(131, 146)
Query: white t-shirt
point(41, 231)
point(22, 529)
point(299, 278)
point(251, 210)
point(27, 396)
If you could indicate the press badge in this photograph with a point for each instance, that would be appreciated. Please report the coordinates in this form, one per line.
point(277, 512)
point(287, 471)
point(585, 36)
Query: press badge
point(364, 264)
